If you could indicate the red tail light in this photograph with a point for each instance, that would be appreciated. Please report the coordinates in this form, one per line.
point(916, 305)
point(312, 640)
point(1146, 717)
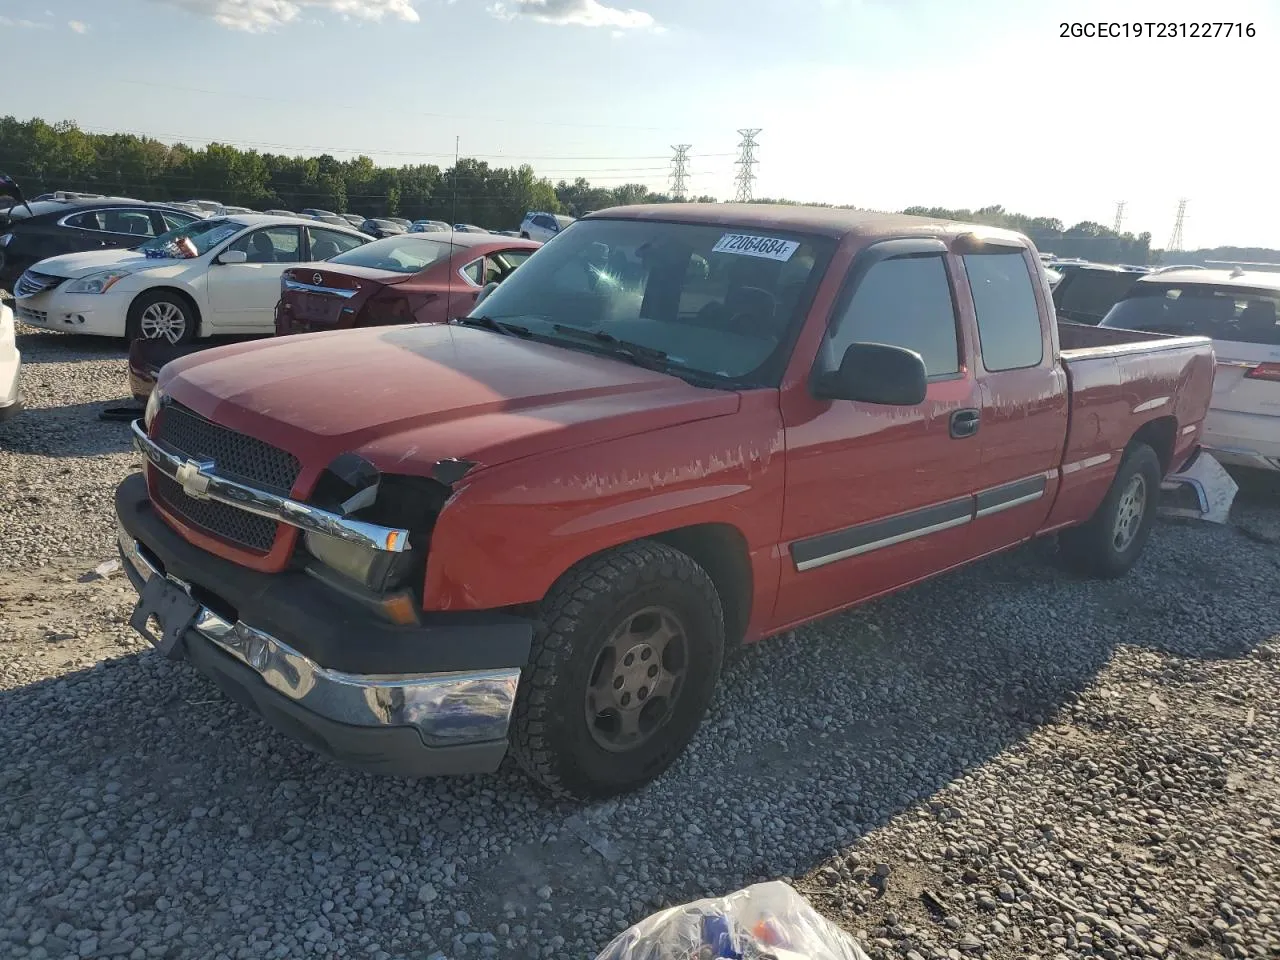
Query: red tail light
point(1264, 371)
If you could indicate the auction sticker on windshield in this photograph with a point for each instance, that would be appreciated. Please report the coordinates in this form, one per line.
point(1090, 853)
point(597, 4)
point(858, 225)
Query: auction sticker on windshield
point(745, 245)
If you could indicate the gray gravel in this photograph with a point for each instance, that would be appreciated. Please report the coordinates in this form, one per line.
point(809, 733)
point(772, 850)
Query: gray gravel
point(1002, 762)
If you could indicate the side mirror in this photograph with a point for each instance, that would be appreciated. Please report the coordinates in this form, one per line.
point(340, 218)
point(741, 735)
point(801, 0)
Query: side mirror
point(876, 373)
point(487, 289)
point(233, 256)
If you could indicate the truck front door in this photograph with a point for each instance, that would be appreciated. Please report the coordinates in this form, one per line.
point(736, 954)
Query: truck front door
point(880, 496)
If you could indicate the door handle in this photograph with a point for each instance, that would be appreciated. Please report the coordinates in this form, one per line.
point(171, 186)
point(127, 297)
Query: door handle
point(964, 423)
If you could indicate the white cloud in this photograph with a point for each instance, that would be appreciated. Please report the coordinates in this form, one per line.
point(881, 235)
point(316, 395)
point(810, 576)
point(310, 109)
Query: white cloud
point(259, 16)
point(581, 13)
point(78, 26)
point(23, 24)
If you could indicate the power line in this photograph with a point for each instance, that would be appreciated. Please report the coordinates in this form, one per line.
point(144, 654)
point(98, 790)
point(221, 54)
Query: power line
point(746, 164)
point(1175, 241)
point(1115, 227)
point(680, 171)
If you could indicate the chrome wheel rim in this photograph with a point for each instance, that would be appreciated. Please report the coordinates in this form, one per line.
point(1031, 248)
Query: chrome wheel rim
point(163, 320)
point(637, 679)
point(1129, 513)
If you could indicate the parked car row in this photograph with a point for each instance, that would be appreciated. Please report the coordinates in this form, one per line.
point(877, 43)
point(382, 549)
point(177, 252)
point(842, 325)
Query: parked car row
point(226, 275)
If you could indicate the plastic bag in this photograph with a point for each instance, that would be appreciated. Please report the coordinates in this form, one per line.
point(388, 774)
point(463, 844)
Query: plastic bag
point(766, 921)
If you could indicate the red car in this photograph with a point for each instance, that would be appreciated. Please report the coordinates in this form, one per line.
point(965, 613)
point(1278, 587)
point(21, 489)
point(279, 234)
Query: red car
point(677, 429)
point(407, 278)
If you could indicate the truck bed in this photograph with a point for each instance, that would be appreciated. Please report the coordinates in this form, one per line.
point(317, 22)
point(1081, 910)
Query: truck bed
point(1079, 340)
point(1125, 383)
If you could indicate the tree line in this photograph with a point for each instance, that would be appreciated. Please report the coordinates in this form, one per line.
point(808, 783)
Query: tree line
point(44, 157)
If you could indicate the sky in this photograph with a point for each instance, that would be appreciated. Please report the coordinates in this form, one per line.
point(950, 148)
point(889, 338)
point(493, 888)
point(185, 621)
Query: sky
point(878, 103)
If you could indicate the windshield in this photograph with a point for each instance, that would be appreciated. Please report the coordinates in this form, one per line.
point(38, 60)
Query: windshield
point(204, 235)
point(720, 303)
point(402, 254)
point(1223, 312)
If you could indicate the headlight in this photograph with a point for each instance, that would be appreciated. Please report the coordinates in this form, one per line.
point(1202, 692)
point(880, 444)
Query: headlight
point(97, 282)
point(377, 570)
point(153, 406)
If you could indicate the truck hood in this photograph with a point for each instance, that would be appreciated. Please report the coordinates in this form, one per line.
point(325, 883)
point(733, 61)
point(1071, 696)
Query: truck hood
point(408, 397)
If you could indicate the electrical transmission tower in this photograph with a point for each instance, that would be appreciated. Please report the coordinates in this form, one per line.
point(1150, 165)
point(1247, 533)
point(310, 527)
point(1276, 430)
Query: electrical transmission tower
point(1119, 221)
point(1175, 241)
point(746, 164)
point(680, 171)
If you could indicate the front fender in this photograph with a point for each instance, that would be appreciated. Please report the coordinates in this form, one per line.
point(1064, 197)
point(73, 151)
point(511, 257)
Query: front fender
point(510, 532)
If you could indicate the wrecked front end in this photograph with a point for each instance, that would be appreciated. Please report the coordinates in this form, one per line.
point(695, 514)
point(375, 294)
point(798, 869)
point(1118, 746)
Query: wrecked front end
point(311, 612)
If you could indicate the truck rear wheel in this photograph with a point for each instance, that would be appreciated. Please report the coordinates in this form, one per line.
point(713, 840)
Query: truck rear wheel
point(1114, 537)
point(621, 672)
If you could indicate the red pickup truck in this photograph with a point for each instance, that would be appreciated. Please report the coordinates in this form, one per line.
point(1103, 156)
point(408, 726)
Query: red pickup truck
point(674, 430)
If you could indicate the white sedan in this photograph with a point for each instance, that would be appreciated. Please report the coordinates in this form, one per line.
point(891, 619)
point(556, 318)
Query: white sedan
point(214, 276)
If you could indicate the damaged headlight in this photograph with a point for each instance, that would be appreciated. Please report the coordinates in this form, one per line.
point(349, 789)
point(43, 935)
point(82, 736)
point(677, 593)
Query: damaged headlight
point(376, 570)
point(353, 487)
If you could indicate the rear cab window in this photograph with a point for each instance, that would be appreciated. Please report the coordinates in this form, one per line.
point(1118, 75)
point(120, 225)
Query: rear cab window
point(1223, 312)
point(1004, 301)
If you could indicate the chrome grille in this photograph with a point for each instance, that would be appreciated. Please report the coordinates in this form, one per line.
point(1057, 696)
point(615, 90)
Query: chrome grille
point(237, 526)
point(239, 457)
point(31, 283)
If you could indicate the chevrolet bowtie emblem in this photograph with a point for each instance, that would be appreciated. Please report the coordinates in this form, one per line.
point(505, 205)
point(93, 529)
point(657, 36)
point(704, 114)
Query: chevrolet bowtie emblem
point(193, 478)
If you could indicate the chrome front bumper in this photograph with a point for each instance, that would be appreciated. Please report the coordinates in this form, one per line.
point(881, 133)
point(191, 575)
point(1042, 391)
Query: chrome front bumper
point(446, 709)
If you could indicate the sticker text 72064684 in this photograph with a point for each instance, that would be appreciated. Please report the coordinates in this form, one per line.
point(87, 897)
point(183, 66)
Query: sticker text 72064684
point(744, 245)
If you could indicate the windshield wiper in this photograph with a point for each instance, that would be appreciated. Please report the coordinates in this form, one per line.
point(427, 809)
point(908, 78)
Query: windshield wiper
point(497, 326)
point(635, 352)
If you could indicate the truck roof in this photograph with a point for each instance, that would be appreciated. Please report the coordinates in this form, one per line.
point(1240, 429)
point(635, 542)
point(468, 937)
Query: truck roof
point(827, 221)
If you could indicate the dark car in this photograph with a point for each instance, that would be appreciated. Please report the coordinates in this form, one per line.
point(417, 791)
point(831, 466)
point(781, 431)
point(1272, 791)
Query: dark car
point(379, 228)
point(49, 228)
point(405, 278)
point(1088, 290)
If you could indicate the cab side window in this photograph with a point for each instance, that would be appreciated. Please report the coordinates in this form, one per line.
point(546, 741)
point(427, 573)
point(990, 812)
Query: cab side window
point(1008, 314)
point(902, 302)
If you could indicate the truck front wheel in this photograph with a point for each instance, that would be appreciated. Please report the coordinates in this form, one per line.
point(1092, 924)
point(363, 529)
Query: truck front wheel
point(621, 672)
point(1113, 538)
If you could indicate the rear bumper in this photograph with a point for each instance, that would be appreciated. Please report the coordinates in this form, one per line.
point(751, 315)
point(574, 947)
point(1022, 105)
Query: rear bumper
point(1243, 439)
point(410, 701)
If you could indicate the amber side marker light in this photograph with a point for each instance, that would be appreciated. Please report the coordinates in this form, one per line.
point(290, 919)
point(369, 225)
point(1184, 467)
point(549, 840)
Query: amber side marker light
point(399, 609)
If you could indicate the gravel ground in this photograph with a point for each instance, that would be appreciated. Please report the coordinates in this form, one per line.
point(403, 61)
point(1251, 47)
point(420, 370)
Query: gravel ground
point(1004, 762)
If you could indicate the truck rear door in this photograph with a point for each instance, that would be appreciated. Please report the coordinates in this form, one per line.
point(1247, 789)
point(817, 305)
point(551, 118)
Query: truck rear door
point(880, 496)
point(1024, 394)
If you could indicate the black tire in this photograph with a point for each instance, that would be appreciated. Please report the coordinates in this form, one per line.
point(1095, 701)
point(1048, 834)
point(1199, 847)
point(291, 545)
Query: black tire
point(551, 737)
point(1096, 548)
point(137, 326)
